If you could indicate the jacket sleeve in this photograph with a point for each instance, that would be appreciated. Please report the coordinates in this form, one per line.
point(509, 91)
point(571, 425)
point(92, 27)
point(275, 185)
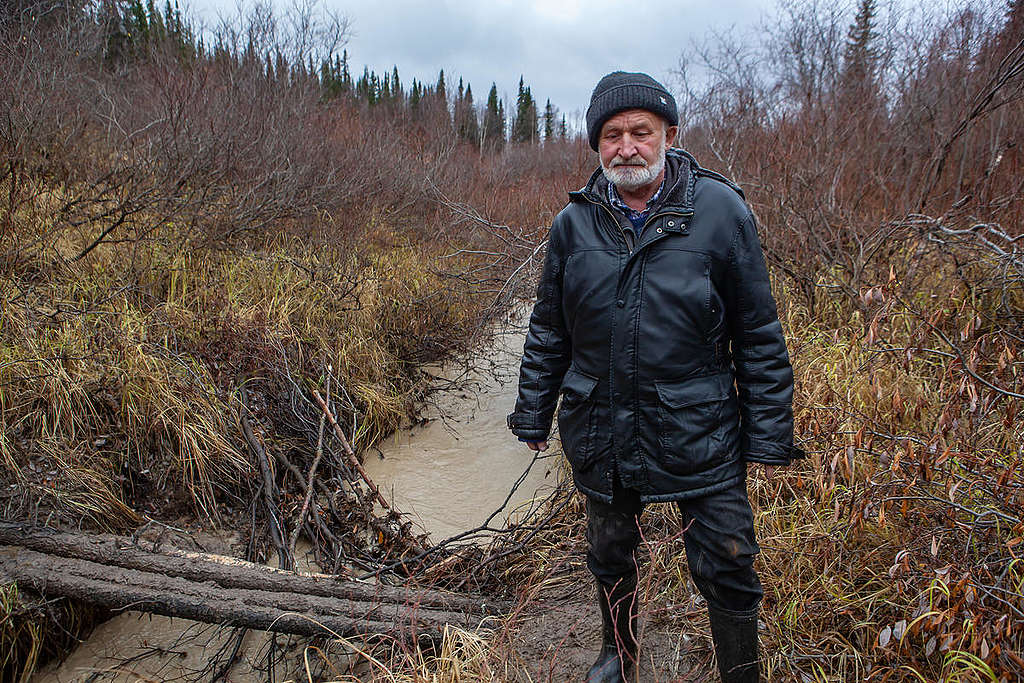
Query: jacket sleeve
point(546, 354)
point(764, 376)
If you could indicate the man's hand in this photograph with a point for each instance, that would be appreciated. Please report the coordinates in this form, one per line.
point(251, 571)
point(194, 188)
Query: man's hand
point(537, 445)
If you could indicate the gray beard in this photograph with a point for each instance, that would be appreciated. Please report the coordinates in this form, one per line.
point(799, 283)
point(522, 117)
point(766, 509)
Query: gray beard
point(630, 178)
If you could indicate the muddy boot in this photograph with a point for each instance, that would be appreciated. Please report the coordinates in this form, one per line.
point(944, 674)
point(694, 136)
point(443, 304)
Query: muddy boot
point(617, 659)
point(735, 636)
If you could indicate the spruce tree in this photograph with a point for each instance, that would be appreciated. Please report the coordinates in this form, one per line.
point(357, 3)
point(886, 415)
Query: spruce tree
point(519, 122)
point(438, 109)
point(439, 90)
point(280, 66)
point(860, 56)
point(414, 97)
point(156, 23)
point(460, 111)
point(117, 31)
point(549, 121)
point(346, 75)
point(524, 128)
point(137, 22)
point(472, 127)
point(531, 117)
point(494, 121)
point(466, 126)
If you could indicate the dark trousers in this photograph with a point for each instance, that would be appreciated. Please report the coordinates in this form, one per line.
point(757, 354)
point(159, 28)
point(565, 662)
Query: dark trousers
point(720, 544)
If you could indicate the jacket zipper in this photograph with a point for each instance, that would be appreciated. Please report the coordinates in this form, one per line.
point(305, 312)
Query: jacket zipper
point(630, 244)
point(625, 237)
point(684, 214)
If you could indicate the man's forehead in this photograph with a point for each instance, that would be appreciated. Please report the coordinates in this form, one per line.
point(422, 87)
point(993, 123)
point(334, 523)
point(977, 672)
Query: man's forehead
point(632, 118)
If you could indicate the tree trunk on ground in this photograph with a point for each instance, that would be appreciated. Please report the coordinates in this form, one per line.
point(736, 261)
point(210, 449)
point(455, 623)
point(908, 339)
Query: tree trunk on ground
point(117, 573)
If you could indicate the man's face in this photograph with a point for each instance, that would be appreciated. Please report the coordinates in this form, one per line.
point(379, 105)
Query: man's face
point(632, 148)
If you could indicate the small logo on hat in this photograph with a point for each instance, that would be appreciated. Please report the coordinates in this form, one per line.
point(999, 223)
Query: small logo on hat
point(663, 100)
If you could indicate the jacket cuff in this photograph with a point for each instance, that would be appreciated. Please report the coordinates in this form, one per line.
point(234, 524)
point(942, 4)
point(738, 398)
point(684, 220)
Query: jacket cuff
point(524, 431)
point(773, 454)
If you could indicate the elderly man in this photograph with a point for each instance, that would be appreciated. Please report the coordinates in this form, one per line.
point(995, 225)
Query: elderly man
point(656, 323)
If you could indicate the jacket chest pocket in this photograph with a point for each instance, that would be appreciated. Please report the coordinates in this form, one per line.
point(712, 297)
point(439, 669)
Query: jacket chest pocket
point(691, 421)
point(681, 303)
point(576, 417)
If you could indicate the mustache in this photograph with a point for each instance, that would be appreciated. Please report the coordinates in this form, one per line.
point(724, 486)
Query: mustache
point(635, 160)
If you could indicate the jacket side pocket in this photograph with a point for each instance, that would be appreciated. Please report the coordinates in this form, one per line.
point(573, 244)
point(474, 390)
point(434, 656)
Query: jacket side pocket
point(690, 417)
point(576, 417)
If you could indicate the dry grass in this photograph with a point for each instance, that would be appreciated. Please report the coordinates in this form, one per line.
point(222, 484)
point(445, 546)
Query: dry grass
point(120, 373)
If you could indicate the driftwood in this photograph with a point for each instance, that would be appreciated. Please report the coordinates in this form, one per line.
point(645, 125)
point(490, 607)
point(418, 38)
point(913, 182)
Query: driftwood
point(117, 573)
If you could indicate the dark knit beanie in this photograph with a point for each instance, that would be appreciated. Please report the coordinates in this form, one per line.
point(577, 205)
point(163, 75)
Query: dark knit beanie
point(619, 91)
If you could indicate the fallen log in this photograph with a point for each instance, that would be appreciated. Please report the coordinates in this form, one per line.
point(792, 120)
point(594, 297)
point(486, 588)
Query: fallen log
point(115, 573)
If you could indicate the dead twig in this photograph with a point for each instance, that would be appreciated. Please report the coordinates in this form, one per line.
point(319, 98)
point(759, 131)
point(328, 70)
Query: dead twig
point(277, 534)
point(312, 471)
point(353, 461)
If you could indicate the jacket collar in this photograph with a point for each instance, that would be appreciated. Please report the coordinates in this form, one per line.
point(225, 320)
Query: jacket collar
point(677, 194)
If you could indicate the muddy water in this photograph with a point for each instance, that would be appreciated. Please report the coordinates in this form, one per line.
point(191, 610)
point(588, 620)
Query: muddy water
point(452, 471)
point(448, 474)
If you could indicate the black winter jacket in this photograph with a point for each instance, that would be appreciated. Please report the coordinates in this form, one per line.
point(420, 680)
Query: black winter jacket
point(667, 349)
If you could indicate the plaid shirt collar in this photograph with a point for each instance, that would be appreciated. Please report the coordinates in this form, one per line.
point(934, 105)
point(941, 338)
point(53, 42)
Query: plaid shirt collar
point(633, 214)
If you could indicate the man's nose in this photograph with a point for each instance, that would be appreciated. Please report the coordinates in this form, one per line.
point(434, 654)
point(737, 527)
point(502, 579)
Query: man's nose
point(627, 147)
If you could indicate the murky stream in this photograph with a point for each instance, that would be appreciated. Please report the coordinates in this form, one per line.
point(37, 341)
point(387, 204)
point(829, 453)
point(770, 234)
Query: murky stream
point(448, 473)
point(453, 471)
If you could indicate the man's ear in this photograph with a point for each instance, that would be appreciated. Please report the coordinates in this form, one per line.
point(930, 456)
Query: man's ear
point(670, 135)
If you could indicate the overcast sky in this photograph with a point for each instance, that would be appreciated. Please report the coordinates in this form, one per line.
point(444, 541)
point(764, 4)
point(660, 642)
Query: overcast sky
point(561, 48)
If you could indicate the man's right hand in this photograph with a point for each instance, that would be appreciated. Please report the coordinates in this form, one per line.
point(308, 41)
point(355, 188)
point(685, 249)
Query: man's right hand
point(537, 445)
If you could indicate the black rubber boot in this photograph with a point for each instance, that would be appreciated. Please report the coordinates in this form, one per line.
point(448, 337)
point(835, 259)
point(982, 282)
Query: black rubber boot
point(735, 636)
point(617, 659)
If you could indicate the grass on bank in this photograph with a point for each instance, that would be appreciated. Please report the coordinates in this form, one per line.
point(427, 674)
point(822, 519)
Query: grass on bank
point(120, 372)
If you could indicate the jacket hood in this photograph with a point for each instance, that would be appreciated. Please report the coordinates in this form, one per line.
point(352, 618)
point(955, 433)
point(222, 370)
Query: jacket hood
point(679, 184)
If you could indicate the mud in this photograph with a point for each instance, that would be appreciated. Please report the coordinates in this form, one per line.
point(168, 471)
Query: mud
point(557, 639)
